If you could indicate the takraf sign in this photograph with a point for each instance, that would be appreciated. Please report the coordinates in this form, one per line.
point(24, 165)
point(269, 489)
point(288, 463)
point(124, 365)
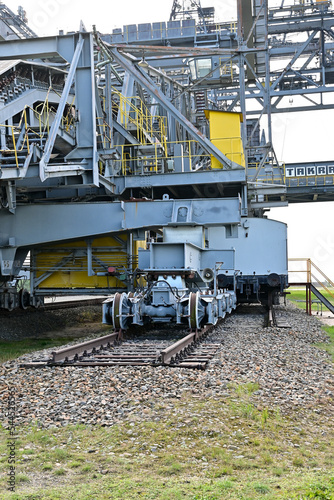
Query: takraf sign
point(309, 171)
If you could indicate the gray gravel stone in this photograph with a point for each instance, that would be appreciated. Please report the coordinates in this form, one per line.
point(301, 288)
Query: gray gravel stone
point(290, 371)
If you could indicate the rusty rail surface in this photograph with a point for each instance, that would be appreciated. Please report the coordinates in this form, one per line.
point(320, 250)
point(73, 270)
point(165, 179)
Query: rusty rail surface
point(79, 349)
point(108, 350)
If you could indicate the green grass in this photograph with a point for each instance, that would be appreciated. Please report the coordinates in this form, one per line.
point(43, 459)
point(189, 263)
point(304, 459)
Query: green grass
point(223, 453)
point(299, 294)
point(329, 347)
point(13, 349)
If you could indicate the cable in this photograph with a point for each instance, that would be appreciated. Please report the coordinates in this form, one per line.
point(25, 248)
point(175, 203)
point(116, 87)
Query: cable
point(162, 281)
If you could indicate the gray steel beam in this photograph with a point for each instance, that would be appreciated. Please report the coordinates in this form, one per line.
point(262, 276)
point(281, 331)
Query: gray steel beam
point(28, 98)
point(60, 111)
point(45, 223)
point(298, 25)
point(294, 59)
point(85, 103)
point(41, 48)
point(177, 52)
point(269, 204)
point(180, 179)
point(127, 136)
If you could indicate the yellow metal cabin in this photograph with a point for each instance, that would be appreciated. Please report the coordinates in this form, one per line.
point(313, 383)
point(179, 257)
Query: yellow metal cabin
point(225, 134)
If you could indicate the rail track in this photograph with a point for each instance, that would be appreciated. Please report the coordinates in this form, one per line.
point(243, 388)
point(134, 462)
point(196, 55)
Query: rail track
point(276, 318)
point(192, 349)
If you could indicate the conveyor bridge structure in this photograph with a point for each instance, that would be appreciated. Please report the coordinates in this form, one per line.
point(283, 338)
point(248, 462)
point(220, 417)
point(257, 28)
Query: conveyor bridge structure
point(107, 139)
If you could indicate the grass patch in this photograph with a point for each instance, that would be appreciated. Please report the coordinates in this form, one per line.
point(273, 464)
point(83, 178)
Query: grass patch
point(329, 347)
point(225, 452)
point(87, 468)
point(61, 454)
point(47, 467)
point(261, 488)
point(75, 464)
point(320, 490)
point(21, 478)
point(298, 297)
point(225, 471)
point(278, 471)
point(298, 462)
point(13, 349)
point(247, 388)
point(174, 468)
point(60, 472)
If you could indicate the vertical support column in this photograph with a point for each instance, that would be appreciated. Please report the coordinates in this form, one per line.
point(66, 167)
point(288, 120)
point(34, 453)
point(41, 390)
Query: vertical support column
point(267, 79)
point(108, 100)
point(130, 259)
point(90, 271)
point(240, 22)
point(242, 98)
point(308, 299)
point(85, 103)
point(2, 131)
point(308, 288)
point(309, 274)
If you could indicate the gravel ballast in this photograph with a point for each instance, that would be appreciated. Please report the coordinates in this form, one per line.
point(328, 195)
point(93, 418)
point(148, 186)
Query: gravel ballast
point(290, 371)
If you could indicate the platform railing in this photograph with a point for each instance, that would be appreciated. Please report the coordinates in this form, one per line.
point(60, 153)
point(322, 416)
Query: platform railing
point(43, 115)
point(156, 161)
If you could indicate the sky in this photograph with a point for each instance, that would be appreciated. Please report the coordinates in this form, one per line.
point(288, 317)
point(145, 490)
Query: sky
point(49, 16)
point(297, 137)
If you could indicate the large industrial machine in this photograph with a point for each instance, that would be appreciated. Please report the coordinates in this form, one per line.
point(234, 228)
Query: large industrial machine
point(141, 163)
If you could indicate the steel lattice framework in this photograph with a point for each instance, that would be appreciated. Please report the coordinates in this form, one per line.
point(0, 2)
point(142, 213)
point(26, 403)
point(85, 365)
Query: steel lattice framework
point(98, 125)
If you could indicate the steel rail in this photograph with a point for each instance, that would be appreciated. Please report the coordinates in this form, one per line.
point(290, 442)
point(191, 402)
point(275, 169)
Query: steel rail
point(185, 353)
point(178, 347)
point(171, 351)
point(78, 349)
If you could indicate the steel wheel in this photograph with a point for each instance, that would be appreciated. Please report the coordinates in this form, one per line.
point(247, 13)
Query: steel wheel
point(24, 297)
point(120, 311)
point(196, 311)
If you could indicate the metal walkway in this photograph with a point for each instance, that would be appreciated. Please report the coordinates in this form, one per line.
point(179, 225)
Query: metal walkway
point(312, 181)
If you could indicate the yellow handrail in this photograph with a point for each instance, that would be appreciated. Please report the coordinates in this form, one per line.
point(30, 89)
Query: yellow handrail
point(158, 156)
point(14, 129)
point(43, 118)
point(105, 138)
point(140, 117)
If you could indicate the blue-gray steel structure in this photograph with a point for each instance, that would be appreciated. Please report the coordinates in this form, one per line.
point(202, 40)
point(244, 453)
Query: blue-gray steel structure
point(85, 150)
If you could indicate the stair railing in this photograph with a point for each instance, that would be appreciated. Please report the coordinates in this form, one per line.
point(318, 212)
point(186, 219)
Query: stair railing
point(42, 113)
point(310, 275)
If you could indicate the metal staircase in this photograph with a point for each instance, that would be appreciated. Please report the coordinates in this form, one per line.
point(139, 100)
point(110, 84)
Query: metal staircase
point(322, 299)
point(320, 279)
point(23, 143)
point(201, 105)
